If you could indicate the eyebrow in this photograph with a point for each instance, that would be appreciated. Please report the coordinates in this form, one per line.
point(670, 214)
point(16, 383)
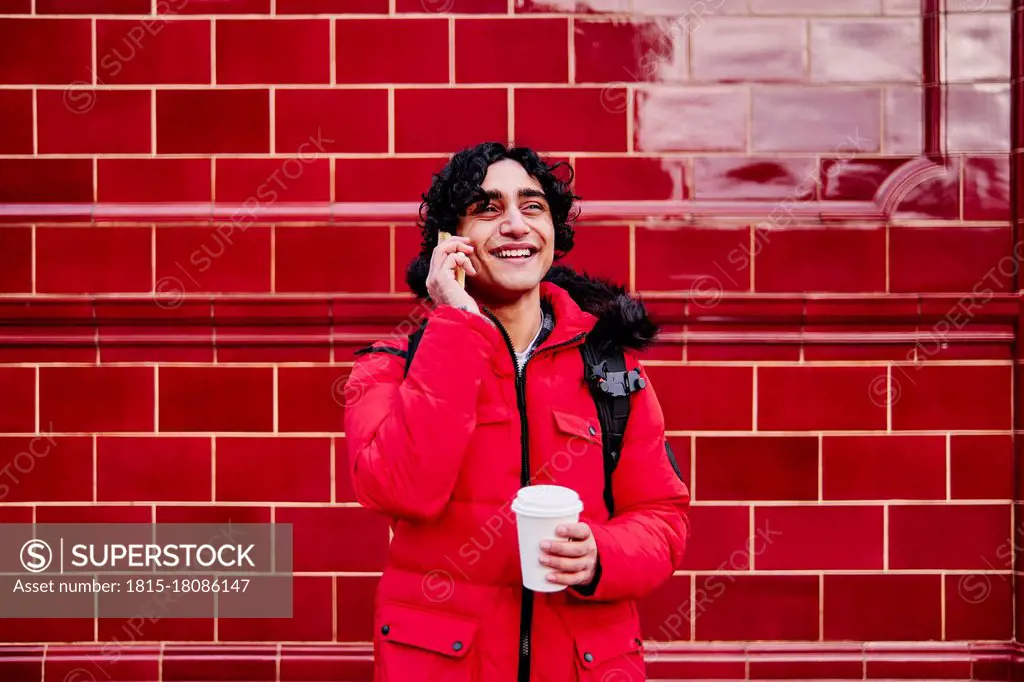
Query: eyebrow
point(524, 192)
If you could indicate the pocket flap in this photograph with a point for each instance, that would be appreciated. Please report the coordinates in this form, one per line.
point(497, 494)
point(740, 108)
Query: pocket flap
point(442, 633)
point(493, 413)
point(574, 425)
point(598, 645)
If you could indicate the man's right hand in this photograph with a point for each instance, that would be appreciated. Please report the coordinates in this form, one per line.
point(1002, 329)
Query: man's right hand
point(442, 286)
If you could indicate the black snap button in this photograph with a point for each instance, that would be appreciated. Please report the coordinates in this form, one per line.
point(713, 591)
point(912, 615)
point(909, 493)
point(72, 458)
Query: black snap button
point(457, 646)
point(592, 430)
point(636, 640)
point(385, 630)
point(588, 657)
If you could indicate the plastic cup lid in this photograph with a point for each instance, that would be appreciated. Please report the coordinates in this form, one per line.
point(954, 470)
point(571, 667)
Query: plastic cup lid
point(547, 500)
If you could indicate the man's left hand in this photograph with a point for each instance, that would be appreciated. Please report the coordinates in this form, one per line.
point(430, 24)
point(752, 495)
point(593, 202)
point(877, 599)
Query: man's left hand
point(574, 559)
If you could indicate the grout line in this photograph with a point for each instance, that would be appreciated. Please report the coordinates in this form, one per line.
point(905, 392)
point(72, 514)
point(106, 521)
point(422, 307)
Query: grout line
point(152, 256)
point(391, 120)
point(821, 607)
point(213, 178)
point(334, 608)
point(37, 398)
point(273, 259)
point(213, 51)
point(885, 537)
point(572, 50)
point(95, 179)
point(92, 55)
point(511, 114)
point(95, 470)
point(334, 468)
point(273, 121)
point(754, 410)
point(152, 122)
point(942, 606)
point(451, 50)
point(693, 599)
point(630, 115)
point(334, 50)
point(35, 121)
point(949, 468)
point(35, 257)
point(156, 397)
point(213, 469)
point(888, 398)
point(632, 257)
point(332, 167)
point(276, 395)
point(821, 467)
point(753, 261)
point(751, 539)
point(392, 257)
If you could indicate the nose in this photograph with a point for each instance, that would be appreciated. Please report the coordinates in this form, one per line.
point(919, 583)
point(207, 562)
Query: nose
point(514, 225)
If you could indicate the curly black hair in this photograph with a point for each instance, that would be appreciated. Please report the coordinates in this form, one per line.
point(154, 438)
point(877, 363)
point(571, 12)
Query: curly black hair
point(458, 186)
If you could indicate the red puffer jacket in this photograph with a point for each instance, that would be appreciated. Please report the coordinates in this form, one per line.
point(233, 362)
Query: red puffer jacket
point(442, 453)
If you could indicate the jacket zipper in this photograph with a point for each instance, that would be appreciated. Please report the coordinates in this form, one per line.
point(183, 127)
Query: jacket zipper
point(526, 609)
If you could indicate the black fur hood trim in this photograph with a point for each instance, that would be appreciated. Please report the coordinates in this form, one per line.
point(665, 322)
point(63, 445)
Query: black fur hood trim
point(622, 318)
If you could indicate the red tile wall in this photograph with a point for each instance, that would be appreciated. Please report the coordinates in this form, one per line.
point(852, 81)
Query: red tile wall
point(834, 379)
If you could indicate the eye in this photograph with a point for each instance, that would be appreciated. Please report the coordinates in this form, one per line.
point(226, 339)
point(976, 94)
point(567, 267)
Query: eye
point(534, 206)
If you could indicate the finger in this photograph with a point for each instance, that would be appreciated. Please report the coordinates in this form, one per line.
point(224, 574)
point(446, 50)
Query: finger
point(574, 531)
point(566, 565)
point(463, 260)
point(570, 549)
point(577, 578)
point(450, 246)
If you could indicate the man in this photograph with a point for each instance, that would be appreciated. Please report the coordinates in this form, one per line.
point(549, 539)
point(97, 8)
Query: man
point(495, 398)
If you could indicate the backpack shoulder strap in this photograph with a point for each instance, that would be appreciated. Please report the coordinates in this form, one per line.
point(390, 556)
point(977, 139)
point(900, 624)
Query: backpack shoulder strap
point(611, 385)
point(414, 342)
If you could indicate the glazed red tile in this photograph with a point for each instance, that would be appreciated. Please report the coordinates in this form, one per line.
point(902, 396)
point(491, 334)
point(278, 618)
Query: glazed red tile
point(951, 536)
point(950, 258)
point(704, 261)
point(391, 50)
point(130, 469)
point(22, 664)
point(300, 664)
point(981, 467)
point(227, 257)
point(576, 6)
point(122, 662)
point(935, 195)
point(822, 119)
point(978, 118)
point(16, 259)
point(273, 469)
point(717, 119)
point(46, 468)
point(273, 51)
point(625, 178)
point(93, 6)
point(735, 49)
point(628, 52)
point(882, 607)
point(216, 398)
point(979, 606)
point(180, 663)
point(725, 177)
point(127, 632)
point(856, 179)
point(720, 404)
point(45, 51)
point(33, 630)
point(819, 398)
point(810, 7)
point(15, 122)
point(598, 123)
point(45, 180)
point(347, 527)
point(451, 6)
point(725, 548)
point(95, 514)
point(952, 397)
point(312, 123)
point(311, 399)
point(802, 538)
point(240, 323)
point(481, 50)
point(665, 613)
point(356, 599)
point(15, 514)
point(16, 6)
point(212, 121)
point(188, 321)
point(756, 468)
point(979, 47)
point(152, 51)
point(815, 259)
point(599, 250)
point(948, 668)
point(212, 514)
point(331, 7)
point(742, 607)
point(693, 668)
point(213, 6)
point(712, 348)
point(447, 120)
point(903, 120)
point(384, 179)
point(312, 618)
point(987, 188)
point(865, 51)
point(892, 467)
point(343, 488)
point(270, 181)
point(802, 669)
point(108, 122)
point(96, 398)
point(320, 259)
point(153, 180)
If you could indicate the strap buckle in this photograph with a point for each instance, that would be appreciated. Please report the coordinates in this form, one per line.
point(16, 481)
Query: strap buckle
point(615, 384)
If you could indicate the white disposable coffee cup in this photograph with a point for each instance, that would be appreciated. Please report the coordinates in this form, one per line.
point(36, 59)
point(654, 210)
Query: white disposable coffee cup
point(539, 510)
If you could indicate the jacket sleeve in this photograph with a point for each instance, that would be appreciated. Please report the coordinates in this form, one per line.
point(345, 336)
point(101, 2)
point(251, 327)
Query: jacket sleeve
point(643, 543)
point(406, 435)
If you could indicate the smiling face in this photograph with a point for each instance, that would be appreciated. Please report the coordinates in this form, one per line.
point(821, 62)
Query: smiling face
point(513, 234)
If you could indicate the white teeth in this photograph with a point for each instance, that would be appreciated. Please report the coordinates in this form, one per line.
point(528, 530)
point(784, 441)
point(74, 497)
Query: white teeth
point(514, 253)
